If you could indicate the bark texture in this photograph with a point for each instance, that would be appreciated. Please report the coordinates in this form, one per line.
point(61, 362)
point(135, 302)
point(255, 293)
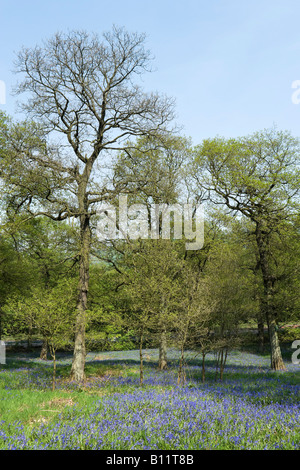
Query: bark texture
point(163, 361)
point(268, 307)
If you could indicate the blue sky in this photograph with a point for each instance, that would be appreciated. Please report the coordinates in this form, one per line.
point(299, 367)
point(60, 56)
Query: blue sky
point(229, 64)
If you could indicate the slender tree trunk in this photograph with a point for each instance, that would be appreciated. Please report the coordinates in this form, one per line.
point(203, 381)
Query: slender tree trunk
point(44, 350)
point(223, 362)
point(217, 364)
point(79, 355)
point(29, 337)
point(54, 371)
point(262, 244)
point(203, 366)
point(141, 358)
point(163, 363)
point(260, 332)
point(181, 373)
point(53, 355)
point(181, 370)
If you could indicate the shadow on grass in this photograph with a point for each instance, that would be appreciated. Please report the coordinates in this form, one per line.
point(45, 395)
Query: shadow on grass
point(238, 372)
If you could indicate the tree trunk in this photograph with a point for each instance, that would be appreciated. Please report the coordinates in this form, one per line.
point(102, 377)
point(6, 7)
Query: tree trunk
point(203, 366)
point(29, 337)
point(54, 371)
point(223, 362)
point(181, 372)
point(217, 364)
point(276, 357)
point(262, 245)
point(79, 355)
point(44, 350)
point(162, 364)
point(141, 358)
point(260, 332)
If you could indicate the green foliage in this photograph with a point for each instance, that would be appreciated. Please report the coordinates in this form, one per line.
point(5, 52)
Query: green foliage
point(49, 311)
point(149, 286)
point(289, 334)
point(152, 168)
point(258, 174)
point(152, 283)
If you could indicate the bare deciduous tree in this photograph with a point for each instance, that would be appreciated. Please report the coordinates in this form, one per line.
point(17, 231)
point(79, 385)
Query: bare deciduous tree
point(82, 89)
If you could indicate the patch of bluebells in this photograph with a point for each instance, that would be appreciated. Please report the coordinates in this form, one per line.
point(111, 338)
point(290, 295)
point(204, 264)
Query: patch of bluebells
point(181, 418)
point(259, 411)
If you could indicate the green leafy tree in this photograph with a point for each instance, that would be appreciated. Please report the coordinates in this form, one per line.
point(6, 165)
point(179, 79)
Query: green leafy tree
point(152, 283)
point(51, 311)
point(16, 275)
point(150, 172)
point(38, 252)
point(193, 307)
point(107, 309)
point(152, 169)
point(258, 177)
